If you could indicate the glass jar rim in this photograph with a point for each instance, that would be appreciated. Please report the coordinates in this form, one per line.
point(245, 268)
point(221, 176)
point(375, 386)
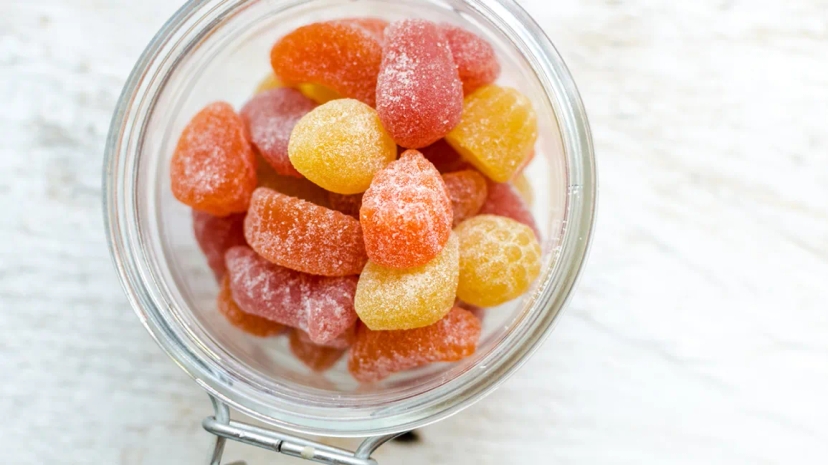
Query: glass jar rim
point(125, 242)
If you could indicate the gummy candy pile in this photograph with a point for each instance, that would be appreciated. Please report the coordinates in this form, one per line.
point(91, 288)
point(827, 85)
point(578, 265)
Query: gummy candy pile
point(369, 198)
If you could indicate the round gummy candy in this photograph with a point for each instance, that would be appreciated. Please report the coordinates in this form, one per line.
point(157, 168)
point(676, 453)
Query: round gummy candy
point(475, 58)
point(340, 146)
point(339, 55)
point(504, 200)
point(321, 306)
point(497, 132)
point(406, 214)
point(419, 93)
point(390, 298)
point(316, 357)
point(467, 191)
point(213, 168)
point(299, 235)
point(347, 204)
point(378, 354)
point(216, 234)
point(269, 118)
point(499, 259)
point(250, 324)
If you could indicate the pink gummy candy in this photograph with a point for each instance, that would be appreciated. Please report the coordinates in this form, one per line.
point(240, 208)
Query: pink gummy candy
point(419, 92)
point(504, 200)
point(321, 306)
point(475, 58)
point(216, 234)
point(269, 118)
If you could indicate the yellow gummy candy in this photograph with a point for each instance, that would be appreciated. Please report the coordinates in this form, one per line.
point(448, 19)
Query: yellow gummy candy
point(497, 131)
point(499, 259)
point(390, 298)
point(340, 146)
point(523, 188)
point(318, 93)
point(270, 82)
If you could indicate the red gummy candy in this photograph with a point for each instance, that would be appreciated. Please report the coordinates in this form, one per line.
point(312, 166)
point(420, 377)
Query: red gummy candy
point(339, 55)
point(246, 322)
point(321, 306)
point(419, 93)
point(444, 157)
point(213, 168)
point(504, 200)
point(297, 234)
point(377, 354)
point(467, 191)
point(406, 214)
point(216, 234)
point(347, 204)
point(475, 58)
point(269, 117)
point(316, 357)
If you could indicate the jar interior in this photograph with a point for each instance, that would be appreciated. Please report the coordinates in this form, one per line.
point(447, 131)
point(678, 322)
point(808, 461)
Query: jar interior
point(226, 62)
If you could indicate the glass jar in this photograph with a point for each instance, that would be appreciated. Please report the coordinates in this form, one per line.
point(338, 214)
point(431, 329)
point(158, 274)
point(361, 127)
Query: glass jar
point(218, 50)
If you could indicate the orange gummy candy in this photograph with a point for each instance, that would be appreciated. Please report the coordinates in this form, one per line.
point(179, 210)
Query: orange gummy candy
point(316, 357)
point(339, 55)
point(378, 354)
point(299, 235)
point(213, 168)
point(251, 324)
point(467, 191)
point(406, 214)
point(374, 26)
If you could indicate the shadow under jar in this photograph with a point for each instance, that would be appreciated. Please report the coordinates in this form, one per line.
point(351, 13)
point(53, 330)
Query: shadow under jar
point(218, 50)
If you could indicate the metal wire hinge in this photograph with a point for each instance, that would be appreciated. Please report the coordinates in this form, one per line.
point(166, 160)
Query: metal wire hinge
point(276, 441)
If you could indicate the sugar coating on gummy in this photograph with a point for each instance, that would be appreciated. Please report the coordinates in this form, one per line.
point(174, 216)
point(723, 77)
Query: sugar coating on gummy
point(419, 92)
point(250, 324)
point(216, 234)
point(213, 168)
point(499, 260)
point(340, 146)
point(321, 306)
point(406, 214)
point(475, 58)
point(377, 354)
point(390, 298)
point(497, 131)
point(302, 236)
point(316, 357)
point(503, 199)
point(467, 190)
point(340, 55)
point(269, 118)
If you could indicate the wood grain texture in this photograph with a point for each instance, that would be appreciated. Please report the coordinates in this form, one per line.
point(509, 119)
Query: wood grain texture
point(697, 334)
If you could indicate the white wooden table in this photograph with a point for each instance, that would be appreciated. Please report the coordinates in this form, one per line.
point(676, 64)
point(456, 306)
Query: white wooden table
point(698, 334)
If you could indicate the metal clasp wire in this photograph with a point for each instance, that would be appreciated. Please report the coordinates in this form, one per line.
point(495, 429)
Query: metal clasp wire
point(224, 428)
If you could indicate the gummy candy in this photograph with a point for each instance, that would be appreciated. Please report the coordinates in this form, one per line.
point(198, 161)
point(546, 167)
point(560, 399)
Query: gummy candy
point(318, 93)
point(269, 82)
point(524, 188)
point(321, 306)
point(499, 259)
point(467, 191)
point(299, 235)
point(497, 131)
point(251, 324)
point(339, 55)
point(444, 157)
point(419, 93)
point(378, 354)
point(269, 118)
point(347, 204)
point(478, 312)
point(213, 168)
point(316, 357)
point(216, 234)
point(340, 146)
point(475, 58)
point(290, 185)
point(406, 214)
point(390, 298)
point(374, 26)
point(504, 200)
